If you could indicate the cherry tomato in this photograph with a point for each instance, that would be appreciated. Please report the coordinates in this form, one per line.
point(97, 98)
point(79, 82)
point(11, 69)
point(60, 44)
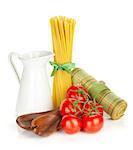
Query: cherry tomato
point(71, 124)
point(93, 107)
point(71, 106)
point(93, 123)
point(77, 92)
point(99, 108)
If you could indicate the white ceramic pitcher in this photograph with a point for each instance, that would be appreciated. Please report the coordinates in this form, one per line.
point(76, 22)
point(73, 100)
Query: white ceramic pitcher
point(34, 94)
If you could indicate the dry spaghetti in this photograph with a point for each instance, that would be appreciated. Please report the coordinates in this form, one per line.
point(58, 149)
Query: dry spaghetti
point(62, 30)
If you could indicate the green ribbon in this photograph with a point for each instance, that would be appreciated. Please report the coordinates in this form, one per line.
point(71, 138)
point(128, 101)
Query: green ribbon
point(65, 67)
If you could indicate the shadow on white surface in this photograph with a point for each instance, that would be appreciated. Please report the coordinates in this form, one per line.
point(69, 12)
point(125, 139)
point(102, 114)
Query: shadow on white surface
point(26, 134)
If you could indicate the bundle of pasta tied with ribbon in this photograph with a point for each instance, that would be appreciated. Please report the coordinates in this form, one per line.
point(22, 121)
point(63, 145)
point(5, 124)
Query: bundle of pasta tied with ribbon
point(112, 104)
point(62, 29)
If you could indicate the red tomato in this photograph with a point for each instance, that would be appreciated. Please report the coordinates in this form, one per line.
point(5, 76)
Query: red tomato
point(71, 106)
point(77, 92)
point(71, 124)
point(92, 124)
point(99, 108)
point(93, 107)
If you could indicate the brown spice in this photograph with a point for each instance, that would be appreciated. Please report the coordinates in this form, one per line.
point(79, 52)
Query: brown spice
point(46, 124)
point(43, 123)
point(24, 121)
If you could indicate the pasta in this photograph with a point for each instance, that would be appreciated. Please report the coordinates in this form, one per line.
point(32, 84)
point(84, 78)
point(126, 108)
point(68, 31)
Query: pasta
point(62, 29)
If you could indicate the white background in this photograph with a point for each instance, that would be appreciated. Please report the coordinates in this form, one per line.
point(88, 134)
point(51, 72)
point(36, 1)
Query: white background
point(103, 46)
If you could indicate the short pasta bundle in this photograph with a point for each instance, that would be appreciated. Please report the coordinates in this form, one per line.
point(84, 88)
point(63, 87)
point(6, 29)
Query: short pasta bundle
point(62, 29)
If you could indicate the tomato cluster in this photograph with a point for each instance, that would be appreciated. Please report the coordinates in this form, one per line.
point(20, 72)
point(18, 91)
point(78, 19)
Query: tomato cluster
point(80, 112)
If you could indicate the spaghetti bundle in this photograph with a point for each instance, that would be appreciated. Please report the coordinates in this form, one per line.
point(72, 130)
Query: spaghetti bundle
point(112, 104)
point(62, 30)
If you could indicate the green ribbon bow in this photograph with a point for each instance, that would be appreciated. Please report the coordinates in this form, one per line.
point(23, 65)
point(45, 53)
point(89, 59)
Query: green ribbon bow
point(65, 67)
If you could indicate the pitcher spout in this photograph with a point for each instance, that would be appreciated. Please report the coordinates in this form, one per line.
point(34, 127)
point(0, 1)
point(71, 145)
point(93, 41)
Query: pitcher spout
point(36, 58)
point(37, 55)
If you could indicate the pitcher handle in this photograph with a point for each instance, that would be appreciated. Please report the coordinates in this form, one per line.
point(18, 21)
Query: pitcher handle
point(11, 56)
